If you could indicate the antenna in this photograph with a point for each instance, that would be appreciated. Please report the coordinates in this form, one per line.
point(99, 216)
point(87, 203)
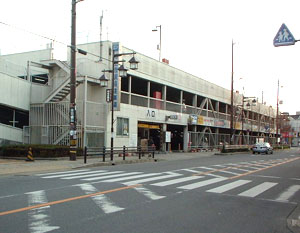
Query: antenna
point(101, 43)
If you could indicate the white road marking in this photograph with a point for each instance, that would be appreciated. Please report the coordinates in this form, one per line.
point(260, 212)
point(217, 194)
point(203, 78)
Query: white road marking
point(57, 173)
point(131, 177)
point(219, 165)
point(176, 181)
point(112, 176)
point(272, 177)
point(73, 174)
point(141, 181)
point(229, 186)
point(190, 170)
point(285, 196)
point(39, 220)
point(253, 192)
point(148, 193)
point(101, 200)
point(202, 183)
point(233, 173)
point(254, 168)
point(214, 175)
point(91, 175)
point(240, 169)
point(207, 168)
point(260, 165)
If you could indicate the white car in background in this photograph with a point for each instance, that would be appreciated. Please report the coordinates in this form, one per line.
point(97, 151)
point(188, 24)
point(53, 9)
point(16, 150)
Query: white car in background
point(263, 147)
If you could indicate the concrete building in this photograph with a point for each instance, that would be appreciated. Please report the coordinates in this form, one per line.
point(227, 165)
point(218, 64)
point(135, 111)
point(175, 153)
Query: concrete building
point(178, 110)
point(294, 121)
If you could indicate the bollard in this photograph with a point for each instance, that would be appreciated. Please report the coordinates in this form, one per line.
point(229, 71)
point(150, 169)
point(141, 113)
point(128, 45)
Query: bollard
point(153, 153)
point(124, 152)
point(104, 150)
point(29, 155)
point(85, 154)
point(139, 150)
point(111, 154)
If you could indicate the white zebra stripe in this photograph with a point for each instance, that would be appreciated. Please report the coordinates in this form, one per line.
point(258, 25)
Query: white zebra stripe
point(202, 183)
point(288, 193)
point(176, 181)
point(131, 177)
point(229, 186)
point(101, 200)
point(151, 195)
point(91, 175)
point(73, 174)
point(111, 176)
point(255, 191)
point(39, 219)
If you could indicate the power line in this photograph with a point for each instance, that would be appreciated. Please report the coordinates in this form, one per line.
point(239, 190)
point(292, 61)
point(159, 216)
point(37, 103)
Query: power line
point(33, 33)
point(48, 38)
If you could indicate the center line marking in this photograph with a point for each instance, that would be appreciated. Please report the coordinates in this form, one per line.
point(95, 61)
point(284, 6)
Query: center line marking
point(67, 200)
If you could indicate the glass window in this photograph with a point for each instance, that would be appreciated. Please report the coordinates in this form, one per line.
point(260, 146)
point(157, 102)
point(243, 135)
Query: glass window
point(122, 126)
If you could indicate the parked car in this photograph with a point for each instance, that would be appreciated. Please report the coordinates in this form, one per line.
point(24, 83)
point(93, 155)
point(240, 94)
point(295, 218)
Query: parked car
point(263, 147)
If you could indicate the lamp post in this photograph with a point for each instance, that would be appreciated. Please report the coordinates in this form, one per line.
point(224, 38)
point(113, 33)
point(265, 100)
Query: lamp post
point(73, 118)
point(155, 30)
point(123, 73)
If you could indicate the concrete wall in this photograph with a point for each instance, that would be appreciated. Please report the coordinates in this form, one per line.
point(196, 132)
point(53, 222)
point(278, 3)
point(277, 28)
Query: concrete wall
point(15, 92)
point(11, 134)
point(22, 58)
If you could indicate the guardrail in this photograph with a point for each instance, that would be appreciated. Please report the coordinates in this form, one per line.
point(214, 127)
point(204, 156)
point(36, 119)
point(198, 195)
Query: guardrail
point(120, 151)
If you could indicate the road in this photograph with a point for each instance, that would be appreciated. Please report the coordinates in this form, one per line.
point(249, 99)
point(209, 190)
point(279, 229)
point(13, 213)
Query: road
point(239, 193)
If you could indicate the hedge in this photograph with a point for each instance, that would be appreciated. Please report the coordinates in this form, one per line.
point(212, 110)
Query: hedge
point(42, 151)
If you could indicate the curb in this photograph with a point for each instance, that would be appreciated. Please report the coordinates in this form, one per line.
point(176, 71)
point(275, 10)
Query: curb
point(293, 220)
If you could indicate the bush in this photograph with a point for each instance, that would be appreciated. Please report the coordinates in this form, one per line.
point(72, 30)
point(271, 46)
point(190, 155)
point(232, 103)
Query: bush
point(42, 151)
point(281, 147)
point(235, 148)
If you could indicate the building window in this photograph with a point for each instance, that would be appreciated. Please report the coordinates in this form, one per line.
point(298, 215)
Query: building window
point(122, 126)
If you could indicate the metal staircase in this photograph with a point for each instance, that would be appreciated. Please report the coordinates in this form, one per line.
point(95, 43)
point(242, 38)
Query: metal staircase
point(60, 93)
point(64, 89)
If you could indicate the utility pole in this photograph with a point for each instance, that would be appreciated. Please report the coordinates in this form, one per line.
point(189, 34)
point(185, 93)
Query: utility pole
point(277, 119)
point(73, 118)
point(231, 97)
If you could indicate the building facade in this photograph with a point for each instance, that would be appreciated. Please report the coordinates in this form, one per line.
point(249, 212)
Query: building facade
point(176, 109)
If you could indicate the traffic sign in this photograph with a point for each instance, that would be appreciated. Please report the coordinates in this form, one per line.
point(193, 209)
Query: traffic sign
point(283, 37)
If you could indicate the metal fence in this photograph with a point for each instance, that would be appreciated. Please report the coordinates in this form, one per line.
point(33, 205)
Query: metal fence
point(49, 124)
point(214, 140)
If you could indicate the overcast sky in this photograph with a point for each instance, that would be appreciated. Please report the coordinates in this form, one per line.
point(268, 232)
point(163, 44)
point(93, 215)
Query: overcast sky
point(196, 37)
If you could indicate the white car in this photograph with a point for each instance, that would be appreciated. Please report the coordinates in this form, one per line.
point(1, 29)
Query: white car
point(263, 147)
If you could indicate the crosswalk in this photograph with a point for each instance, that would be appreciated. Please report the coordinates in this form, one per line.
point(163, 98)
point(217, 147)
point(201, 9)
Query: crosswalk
point(220, 178)
point(94, 186)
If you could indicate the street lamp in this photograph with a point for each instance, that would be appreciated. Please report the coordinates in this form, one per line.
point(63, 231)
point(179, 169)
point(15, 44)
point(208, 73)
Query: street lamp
point(103, 81)
point(122, 73)
point(155, 30)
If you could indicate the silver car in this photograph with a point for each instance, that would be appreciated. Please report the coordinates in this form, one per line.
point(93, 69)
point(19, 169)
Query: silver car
point(263, 147)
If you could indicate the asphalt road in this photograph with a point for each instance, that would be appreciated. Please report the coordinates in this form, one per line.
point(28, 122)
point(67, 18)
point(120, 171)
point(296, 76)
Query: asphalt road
point(218, 194)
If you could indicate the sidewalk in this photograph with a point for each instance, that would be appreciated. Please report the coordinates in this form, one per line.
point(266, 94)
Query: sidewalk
point(20, 166)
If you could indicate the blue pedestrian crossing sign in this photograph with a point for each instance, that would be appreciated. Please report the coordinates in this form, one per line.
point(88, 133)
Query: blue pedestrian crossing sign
point(283, 37)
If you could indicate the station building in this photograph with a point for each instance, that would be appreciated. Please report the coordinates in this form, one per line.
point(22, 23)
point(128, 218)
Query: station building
point(177, 110)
